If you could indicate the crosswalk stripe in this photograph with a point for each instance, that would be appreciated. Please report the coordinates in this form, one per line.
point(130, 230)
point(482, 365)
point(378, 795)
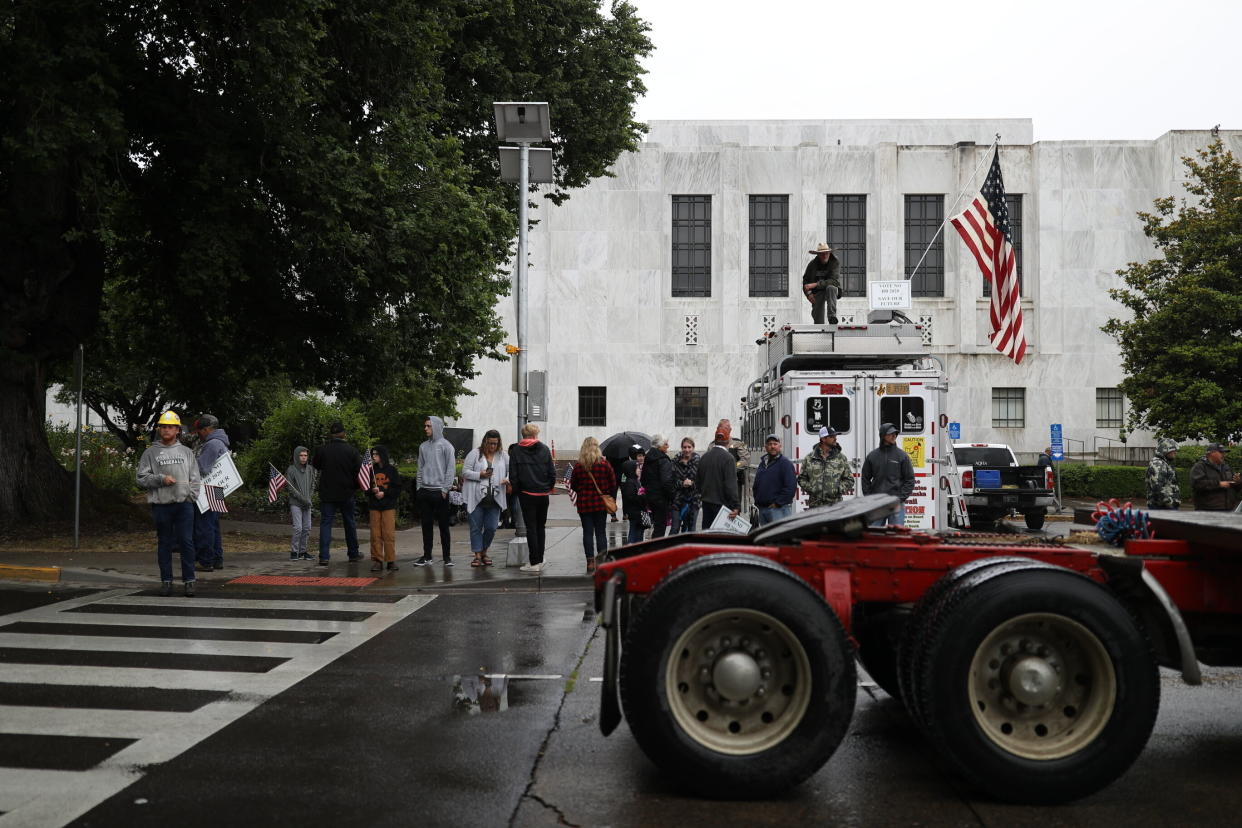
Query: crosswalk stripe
point(153, 645)
point(54, 798)
point(266, 603)
point(51, 721)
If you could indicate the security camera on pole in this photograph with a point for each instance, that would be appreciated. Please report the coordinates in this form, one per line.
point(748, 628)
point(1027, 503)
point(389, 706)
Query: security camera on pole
point(524, 123)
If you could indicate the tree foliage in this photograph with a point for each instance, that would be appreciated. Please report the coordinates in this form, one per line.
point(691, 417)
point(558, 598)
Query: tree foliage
point(306, 189)
point(1182, 346)
point(301, 420)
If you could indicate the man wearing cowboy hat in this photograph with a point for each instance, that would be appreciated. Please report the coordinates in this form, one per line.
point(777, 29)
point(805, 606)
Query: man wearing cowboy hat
point(822, 273)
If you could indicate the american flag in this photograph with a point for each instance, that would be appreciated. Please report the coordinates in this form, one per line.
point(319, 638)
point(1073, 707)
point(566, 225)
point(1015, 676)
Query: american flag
point(275, 482)
point(215, 499)
point(984, 226)
point(569, 473)
point(364, 475)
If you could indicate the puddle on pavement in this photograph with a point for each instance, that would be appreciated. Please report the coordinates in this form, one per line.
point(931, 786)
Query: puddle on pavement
point(473, 695)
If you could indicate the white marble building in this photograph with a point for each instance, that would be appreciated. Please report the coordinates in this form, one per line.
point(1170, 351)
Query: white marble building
point(604, 313)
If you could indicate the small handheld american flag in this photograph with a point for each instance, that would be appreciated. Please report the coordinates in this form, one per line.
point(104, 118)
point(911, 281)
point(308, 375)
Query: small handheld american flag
point(569, 473)
point(275, 482)
point(364, 476)
point(215, 499)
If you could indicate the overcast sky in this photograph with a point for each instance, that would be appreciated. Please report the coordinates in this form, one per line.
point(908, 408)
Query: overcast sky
point(1091, 69)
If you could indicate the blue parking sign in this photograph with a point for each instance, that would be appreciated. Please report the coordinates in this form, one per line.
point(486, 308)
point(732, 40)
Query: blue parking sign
point(1058, 445)
point(955, 431)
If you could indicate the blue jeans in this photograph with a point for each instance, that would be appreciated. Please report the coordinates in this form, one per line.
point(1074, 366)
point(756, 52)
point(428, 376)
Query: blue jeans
point(898, 518)
point(768, 514)
point(327, 511)
point(301, 517)
point(174, 526)
point(594, 533)
point(483, 522)
point(635, 533)
point(207, 546)
point(684, 518)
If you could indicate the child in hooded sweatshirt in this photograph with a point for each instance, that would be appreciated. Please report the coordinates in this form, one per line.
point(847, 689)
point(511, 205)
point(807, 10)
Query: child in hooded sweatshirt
point(382, 502)
point(301, 478)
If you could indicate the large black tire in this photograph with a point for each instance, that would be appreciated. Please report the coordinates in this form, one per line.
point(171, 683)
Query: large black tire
point(1035, 520)
point(1037, 685)
point(736, 678)
point(911, 649)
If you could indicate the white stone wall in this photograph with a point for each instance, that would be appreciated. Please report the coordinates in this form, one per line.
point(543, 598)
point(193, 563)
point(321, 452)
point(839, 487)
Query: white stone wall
point(602, 312)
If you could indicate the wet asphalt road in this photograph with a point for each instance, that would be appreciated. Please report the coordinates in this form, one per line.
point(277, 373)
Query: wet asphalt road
point(375, 738)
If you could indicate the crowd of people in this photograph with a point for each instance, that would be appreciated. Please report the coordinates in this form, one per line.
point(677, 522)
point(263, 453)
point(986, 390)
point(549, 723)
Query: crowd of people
point(659, 492)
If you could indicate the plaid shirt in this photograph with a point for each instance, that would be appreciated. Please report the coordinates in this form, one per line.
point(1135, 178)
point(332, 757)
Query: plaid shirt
point(580, 481)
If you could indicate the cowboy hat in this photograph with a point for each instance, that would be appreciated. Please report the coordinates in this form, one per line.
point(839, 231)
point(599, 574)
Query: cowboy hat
point(821, 248)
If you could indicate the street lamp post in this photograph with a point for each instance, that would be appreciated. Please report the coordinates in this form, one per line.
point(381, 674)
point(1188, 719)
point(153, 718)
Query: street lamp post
point(524, 123)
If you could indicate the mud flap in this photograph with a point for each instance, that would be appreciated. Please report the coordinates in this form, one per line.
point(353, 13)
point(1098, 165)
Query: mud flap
point(610, 707)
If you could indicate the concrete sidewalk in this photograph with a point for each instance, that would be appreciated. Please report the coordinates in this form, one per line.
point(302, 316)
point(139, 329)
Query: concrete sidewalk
point(564, 567)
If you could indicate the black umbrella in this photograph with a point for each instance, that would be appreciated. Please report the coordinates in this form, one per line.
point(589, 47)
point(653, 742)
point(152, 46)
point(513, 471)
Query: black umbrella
point(617, 447)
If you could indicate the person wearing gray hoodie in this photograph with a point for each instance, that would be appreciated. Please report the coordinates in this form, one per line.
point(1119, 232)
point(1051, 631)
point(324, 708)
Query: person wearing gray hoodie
point(301, 478)
point(170, 476)
point(213, 444)
point(437, 470)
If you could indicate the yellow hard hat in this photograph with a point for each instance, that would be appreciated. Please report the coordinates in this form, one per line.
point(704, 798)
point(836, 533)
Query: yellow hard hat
point(170, 418)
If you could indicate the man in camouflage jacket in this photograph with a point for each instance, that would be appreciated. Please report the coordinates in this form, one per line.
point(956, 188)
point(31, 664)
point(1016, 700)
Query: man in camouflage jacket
point(826, 475)
point(1163, 491)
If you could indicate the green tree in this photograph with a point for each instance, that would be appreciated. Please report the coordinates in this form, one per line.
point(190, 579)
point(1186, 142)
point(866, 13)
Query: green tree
point(252, 189)
point(1181, 347)
point(302, 420)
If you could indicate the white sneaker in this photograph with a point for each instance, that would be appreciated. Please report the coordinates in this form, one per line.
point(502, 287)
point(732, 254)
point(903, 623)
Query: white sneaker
point(531, 567)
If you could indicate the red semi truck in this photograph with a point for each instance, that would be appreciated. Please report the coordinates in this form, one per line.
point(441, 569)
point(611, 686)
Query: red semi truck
point(1031, 666)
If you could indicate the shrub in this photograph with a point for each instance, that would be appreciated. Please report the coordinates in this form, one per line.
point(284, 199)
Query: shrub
point(108, 464)
point(1103, 482)
point(302, 420)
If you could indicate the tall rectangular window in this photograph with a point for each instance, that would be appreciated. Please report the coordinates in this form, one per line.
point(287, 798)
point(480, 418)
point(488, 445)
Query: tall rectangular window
point(847, 236)
point(1110, 409)
point(769, 245)
point(1014, 202)
point(690, 406)
point(692, 245)
point(1008, 408)
point(592, 405)
point(924, 215)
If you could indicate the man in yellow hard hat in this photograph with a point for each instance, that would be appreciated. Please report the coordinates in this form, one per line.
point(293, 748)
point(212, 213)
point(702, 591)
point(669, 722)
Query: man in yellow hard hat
point(169, 473)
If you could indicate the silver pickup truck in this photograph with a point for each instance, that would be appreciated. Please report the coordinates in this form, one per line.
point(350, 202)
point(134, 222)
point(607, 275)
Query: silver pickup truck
point(995, 486)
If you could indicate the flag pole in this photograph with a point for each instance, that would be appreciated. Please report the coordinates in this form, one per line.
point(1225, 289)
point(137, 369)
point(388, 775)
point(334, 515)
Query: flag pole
point(953, 210)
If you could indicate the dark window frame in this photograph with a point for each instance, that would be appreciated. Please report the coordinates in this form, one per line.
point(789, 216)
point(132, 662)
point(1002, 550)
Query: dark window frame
point(692, 246)
point(846, 234)
point(1013, 401)
point(924, 213)
point(769, 245)
point(592, 405)
point(1115, 400)
point(690, 404)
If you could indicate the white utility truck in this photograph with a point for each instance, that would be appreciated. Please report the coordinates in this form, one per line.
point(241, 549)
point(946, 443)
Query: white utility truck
point(852, 378)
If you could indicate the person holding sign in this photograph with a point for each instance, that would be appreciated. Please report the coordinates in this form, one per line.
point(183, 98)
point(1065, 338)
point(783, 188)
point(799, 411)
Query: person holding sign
point(170, 475)
point(213, 444)
point(821, 283)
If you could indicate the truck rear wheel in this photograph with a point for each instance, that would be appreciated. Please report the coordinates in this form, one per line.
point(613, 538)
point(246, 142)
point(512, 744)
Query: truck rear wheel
point(912, 649)
point(736, 678)
point(1037, 685)
point(1035, 520)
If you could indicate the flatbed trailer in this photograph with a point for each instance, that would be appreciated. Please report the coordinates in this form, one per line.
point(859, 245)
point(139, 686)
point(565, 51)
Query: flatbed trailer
point(1030, 665)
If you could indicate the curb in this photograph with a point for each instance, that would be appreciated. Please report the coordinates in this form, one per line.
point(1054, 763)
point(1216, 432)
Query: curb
point(30, 573)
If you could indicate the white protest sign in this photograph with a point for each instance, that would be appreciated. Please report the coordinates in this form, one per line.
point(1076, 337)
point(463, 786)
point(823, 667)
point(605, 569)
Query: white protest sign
point(223, 475)
point(738, 525)
point(889, 295)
